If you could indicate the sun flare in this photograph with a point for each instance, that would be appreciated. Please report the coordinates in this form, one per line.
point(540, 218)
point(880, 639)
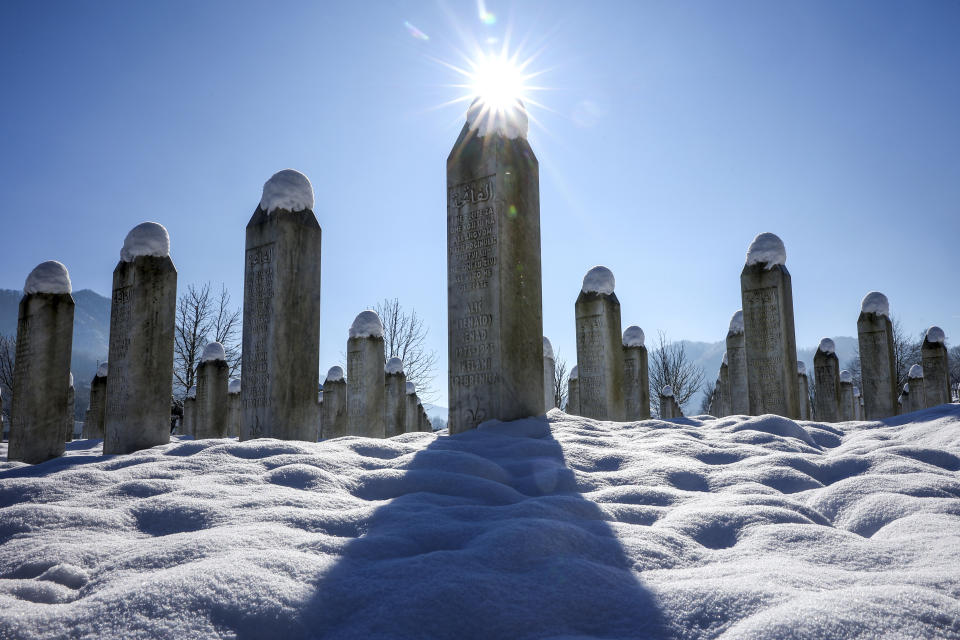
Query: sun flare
point(497, 81)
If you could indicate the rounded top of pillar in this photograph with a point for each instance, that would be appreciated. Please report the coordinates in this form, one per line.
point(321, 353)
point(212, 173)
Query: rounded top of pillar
point(875, 302)
point(213, 351)
point(846, 376)
point(599, 280)
point(508, 120)
point(633, 336)
point(916, 372)
point(736, 323)
point(801, 368)
point(335, 374)
point(192, 392)
point(827, 346)
point(289, 190)
point(393, 365)
point(574, 373)
point(768, 249)
point(411, 388)
point(48, 277)
point(547, 348)
point(233, 386)
point(935, 334)
point(103, 369)
point(667, 391)
point(366, 325)
point(146, 239)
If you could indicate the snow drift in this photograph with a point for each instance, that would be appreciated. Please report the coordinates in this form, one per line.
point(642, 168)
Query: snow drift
point(552, 527)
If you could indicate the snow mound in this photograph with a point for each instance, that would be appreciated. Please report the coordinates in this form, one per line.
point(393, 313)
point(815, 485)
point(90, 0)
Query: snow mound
point(598, 280)
point(103, 369)
point(234, 386)
point(393, 365)
point(736, 324)
point(633, 337)
point(846, 376)
point(916, 371)
point(801, 368)
point(667, 391)
point(741, 527)
point(411, 388)
point(366, 325)
point(875, 302)
point(146, 239)
point(335, 374)
point(574, 373)
point(192, 392)
point(827, 346)
point(936, 334)
point(48, 277)
point(510, 121)
point(768, 249)
point(289, 190)
point(547, 348)
point(212, 352)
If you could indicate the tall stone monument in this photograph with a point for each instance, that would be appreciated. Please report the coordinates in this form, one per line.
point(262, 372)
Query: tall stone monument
point(936, 369)
point(803, 390)
point(495, 315)
point(395, 398)
point(41, 370)
point(857, 404)
point(770, 340)
point(281, 313)
point(600, 347)
point(71, 405)
point(826, 375)
point(411, 420)
point(915, 384)
point(636, 375)
point(847, 409)
point(878, 366)
point(573, 392)
point(723, 386)
point(142, 318)
point(334, 407)
point(738, 394)
point(549, 373)
point(190, 413)
point(667, 403)
point(93, 423)
point(234, 408)
point(213, 380)
point(365, 365)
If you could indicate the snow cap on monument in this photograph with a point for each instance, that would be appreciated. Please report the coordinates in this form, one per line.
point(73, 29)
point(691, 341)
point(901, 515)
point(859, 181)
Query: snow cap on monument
point(736, 323)
point(827, 346)
point(411, 388)
point(667, 391)
point(103, 369)
point(289, 190)
point(633, 336)
point(598, 280)
point(335, 374)
point(146, 239)
point(213, 351)
point(234, 386)
point(366, 325)
point(510, 121)
point(846, 376)
point(875, 302)
point(393, 365)
point(935, 334)
point(768, 249)
point(574, 373)
point(916, 371)
point(48, 277)
point(547, 348)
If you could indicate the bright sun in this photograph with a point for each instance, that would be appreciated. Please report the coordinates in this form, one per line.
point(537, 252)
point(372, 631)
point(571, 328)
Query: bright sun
point(497, 80)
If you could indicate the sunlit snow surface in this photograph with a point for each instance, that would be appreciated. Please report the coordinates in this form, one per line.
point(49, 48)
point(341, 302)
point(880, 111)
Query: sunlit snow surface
point(694, 528)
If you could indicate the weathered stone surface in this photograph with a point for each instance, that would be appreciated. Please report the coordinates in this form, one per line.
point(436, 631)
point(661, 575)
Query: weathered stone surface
point(69, 412)
point(877, 365)
point(600, 356)
point(213, 378)
point(495, 323)
point(826, 375)
point(96, 409)
point(917, 392)
point(281, 325)
point(412, 404)
point(334, 405)
point(366, 402)
point(636, 377)
point(847, 409)
point(668, 404)
point(770, 340)
point(424, 425)
point(190, 412)
point(549, 373)
point(573, 392)
point(738, 394)
point(142, 321)
point(395, 404)
point(803, 391)
point(723, 385)
point(234, 413)
point(936, 373)
point(41, 377)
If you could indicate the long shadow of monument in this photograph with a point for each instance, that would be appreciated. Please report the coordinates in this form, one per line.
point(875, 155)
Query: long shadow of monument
point(485, 535)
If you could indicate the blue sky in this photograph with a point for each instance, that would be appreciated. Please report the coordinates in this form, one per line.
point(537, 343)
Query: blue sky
point(671, 134)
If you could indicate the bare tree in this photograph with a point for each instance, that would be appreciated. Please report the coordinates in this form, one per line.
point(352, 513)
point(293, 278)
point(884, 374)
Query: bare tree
point(8, 351)
point(906, 352)
point(669, 366)
point(560, 381)
point(953, 361)
point(708, 389)
point(405, 337)
point(203, 317)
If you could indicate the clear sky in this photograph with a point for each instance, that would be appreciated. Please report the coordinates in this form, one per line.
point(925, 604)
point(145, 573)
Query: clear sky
point(671, 133)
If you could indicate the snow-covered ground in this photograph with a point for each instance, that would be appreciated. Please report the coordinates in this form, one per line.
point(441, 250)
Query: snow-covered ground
point(694, 528)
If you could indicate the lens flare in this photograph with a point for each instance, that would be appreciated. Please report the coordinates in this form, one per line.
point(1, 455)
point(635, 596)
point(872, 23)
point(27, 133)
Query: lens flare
point(497, 80)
